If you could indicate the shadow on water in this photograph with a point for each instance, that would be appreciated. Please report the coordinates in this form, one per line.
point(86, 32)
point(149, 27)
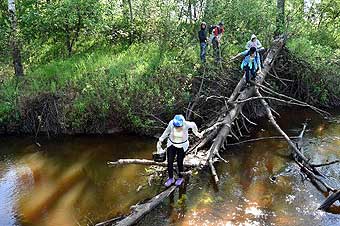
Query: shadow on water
point(67, 181)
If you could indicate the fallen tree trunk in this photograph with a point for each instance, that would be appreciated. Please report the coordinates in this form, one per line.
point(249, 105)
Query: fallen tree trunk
point(229, 118)
point(140, 210)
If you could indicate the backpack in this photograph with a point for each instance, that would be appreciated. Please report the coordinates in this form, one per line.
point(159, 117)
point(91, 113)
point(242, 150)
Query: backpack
point(211, 28)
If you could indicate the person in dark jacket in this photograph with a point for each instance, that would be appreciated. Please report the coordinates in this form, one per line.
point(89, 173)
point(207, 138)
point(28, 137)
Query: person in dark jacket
point(202, 35)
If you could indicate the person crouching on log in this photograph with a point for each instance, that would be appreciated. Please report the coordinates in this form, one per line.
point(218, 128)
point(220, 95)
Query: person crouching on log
point(177, 144)
point(250, 64)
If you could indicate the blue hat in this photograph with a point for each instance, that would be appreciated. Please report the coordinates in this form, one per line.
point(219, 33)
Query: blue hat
point(178, 120)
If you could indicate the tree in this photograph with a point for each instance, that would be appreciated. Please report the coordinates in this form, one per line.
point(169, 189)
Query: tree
point(61, 22)
point(128, 16)
point(16, 54)
point(280, 17)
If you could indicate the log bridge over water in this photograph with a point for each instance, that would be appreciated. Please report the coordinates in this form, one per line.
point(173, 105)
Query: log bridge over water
point(206, 151)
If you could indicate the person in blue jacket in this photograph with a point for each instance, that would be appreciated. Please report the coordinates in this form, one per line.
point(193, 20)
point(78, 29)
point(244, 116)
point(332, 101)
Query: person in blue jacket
point(250, 64)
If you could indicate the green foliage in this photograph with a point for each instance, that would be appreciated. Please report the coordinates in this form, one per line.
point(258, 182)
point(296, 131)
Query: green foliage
point(136, 80)
point(8, 102)
point(59, 26)
point(315, 36)
point(106, 64)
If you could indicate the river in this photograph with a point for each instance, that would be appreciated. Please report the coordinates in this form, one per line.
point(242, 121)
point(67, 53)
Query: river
point(67, 181)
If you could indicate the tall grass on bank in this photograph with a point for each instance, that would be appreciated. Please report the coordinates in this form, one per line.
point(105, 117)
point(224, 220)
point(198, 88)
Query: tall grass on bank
point(124, 83)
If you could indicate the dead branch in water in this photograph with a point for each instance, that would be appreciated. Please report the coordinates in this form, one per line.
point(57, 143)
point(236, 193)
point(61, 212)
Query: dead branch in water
point(148, 163)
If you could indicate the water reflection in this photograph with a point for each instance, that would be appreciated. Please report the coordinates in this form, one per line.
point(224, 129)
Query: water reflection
point(67, 182)
point(15, 180)
point(70, 181)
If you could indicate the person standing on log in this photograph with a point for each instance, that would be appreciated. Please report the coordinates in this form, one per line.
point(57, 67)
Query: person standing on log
point(202, 35)
point(216, 36)
point(254, 42)
point(177, 144)
point(250, 64)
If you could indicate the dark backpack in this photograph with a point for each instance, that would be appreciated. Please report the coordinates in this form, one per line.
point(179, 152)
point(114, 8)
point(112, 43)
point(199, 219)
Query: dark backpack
point(211, 28)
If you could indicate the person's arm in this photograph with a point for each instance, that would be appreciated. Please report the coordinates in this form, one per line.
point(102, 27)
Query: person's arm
point(259, 45)
point(215, 31)
point(165, 134)
point(194, 128)
point(258, 62)
point(248, 45)
point(244, 53)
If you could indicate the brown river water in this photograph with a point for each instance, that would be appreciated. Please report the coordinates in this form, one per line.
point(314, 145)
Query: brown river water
point(67, 182)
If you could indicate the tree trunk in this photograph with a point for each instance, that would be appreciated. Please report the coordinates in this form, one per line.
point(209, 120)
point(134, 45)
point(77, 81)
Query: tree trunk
point(195, 11)
point(189, 11)
point(280, 17)
point(77, 32)
point(128, 16)
point(68, 41)
point(18, 68)
point(131, 22)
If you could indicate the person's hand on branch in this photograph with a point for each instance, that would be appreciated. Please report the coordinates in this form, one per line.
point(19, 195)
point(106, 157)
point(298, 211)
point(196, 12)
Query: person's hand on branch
point(200, 135)
point(159, 146)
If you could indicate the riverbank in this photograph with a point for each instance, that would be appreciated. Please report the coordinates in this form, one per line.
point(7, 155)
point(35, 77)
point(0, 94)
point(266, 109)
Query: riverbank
point(138, 88)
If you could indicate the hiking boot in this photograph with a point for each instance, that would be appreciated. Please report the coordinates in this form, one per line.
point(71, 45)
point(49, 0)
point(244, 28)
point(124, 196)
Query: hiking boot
point(179, 181)
point(169, 182)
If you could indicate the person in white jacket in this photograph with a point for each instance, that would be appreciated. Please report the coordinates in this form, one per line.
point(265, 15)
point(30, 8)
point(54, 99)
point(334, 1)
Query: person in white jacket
point(254, 42)
point(177, 144)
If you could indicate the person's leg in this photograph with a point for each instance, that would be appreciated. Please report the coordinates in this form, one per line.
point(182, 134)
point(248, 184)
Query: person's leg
point(171, 152)
point(215, 46)
point(253, 73)
point(204, 52)
point(201, 51)
point(180, 159)
point(246, 69)
point(218, 53)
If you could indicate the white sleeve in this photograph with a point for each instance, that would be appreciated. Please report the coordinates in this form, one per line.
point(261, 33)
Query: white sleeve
point(166, 132)
point(248, 45)
point(193, 126)
point(258, 44)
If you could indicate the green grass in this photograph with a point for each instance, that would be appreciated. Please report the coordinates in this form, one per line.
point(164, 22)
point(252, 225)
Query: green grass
point(134, 81)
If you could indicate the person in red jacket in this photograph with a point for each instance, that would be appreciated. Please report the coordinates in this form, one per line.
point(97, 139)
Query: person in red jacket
point(217, 33)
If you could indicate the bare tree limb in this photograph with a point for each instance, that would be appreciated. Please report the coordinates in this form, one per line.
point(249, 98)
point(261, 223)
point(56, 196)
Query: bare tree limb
point(326, 164)
point(147, 162)
point(258, 139)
